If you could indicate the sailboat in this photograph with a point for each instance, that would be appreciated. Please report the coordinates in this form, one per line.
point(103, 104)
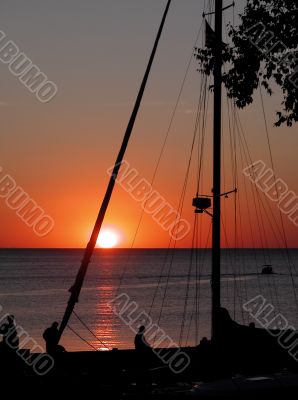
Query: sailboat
point(233, 348)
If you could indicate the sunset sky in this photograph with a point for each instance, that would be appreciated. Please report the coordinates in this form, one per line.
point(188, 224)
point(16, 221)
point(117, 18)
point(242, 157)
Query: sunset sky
point(59, 152)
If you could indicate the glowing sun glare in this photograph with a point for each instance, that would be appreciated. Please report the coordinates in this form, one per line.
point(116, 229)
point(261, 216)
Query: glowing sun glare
point(107, 238)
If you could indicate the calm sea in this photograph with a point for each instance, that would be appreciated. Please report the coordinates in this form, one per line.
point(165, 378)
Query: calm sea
point(173, 287)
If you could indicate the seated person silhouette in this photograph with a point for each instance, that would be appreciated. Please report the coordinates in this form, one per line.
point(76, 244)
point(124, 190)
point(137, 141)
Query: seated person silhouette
point(10, 335)
point(141, 343)
point(204, 343)
point(51, 337)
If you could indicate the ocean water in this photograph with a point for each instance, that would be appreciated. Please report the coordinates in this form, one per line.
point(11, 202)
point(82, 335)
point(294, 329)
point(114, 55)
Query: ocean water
point(172, 287)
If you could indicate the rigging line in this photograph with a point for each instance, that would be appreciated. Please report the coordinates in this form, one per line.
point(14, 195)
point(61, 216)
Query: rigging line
point(166, 286)
point(231, 260)
point(188, 283)
point(189, 326)
point(278, 194)
point(89, 330)
point(233, 154)
point(195, 305)
point(205, 99)
point(175, 109)
point(273, 169)
point(255, 192)
point(243, 265)
point(172, 256)
point(238, 293)
point(80, 337)
point(200, 131)
point(181, 203)
point(237, 211)
point(261, 216)
point(163, 267)
point(201, 136)
point(249, 162)
point(161, 275)
point(242, 156)
point(267, 210)
point(272, 229)
point(233, 165)
point(241, 130)
point(171, 123)
point(180, 206)
point(198, 287)
point(261, 226)
point(283, 235)
point(180, 209)
point(167, 282)
point(176, 105)
point(201, 145)
point(203, 259)
point(77, 286)
point(232, 138)
point(210, 14)
point(198, 284)
point(249, 217)
point(260, 222)
point(163, 147)
point(203, 130)
point(223, 203)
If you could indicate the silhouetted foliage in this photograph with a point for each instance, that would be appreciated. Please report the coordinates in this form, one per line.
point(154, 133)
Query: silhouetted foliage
point(264, 50)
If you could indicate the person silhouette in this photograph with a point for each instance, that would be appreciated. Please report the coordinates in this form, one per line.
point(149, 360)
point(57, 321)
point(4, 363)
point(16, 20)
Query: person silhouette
point(51, 337)
point(140, 340)
point(9, 332)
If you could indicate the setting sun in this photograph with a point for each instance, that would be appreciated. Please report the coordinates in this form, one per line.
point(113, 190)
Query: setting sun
point(107, 238)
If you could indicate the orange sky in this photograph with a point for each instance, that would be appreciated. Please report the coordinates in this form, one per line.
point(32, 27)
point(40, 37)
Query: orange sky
point(59, 152)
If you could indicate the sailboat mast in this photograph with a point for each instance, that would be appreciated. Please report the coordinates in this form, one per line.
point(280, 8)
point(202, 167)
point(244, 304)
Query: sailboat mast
point(216, 170)
point(75, 290)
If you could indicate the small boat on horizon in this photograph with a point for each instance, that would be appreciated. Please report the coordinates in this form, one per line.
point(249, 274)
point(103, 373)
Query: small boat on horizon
point(267, 269)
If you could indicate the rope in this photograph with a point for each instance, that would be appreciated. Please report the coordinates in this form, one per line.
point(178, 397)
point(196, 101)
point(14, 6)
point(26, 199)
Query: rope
point(89, 330)
point(80, 337)
point(258, 206)
point(278, 194)
point(250, 220)
point(180, 209)
point(195, 308)
point(188, 284)
point(155, 173)
point(180, 206)
point(232, 142)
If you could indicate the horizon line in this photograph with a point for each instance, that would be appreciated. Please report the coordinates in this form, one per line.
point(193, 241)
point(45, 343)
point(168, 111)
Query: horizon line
point(148, 248)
